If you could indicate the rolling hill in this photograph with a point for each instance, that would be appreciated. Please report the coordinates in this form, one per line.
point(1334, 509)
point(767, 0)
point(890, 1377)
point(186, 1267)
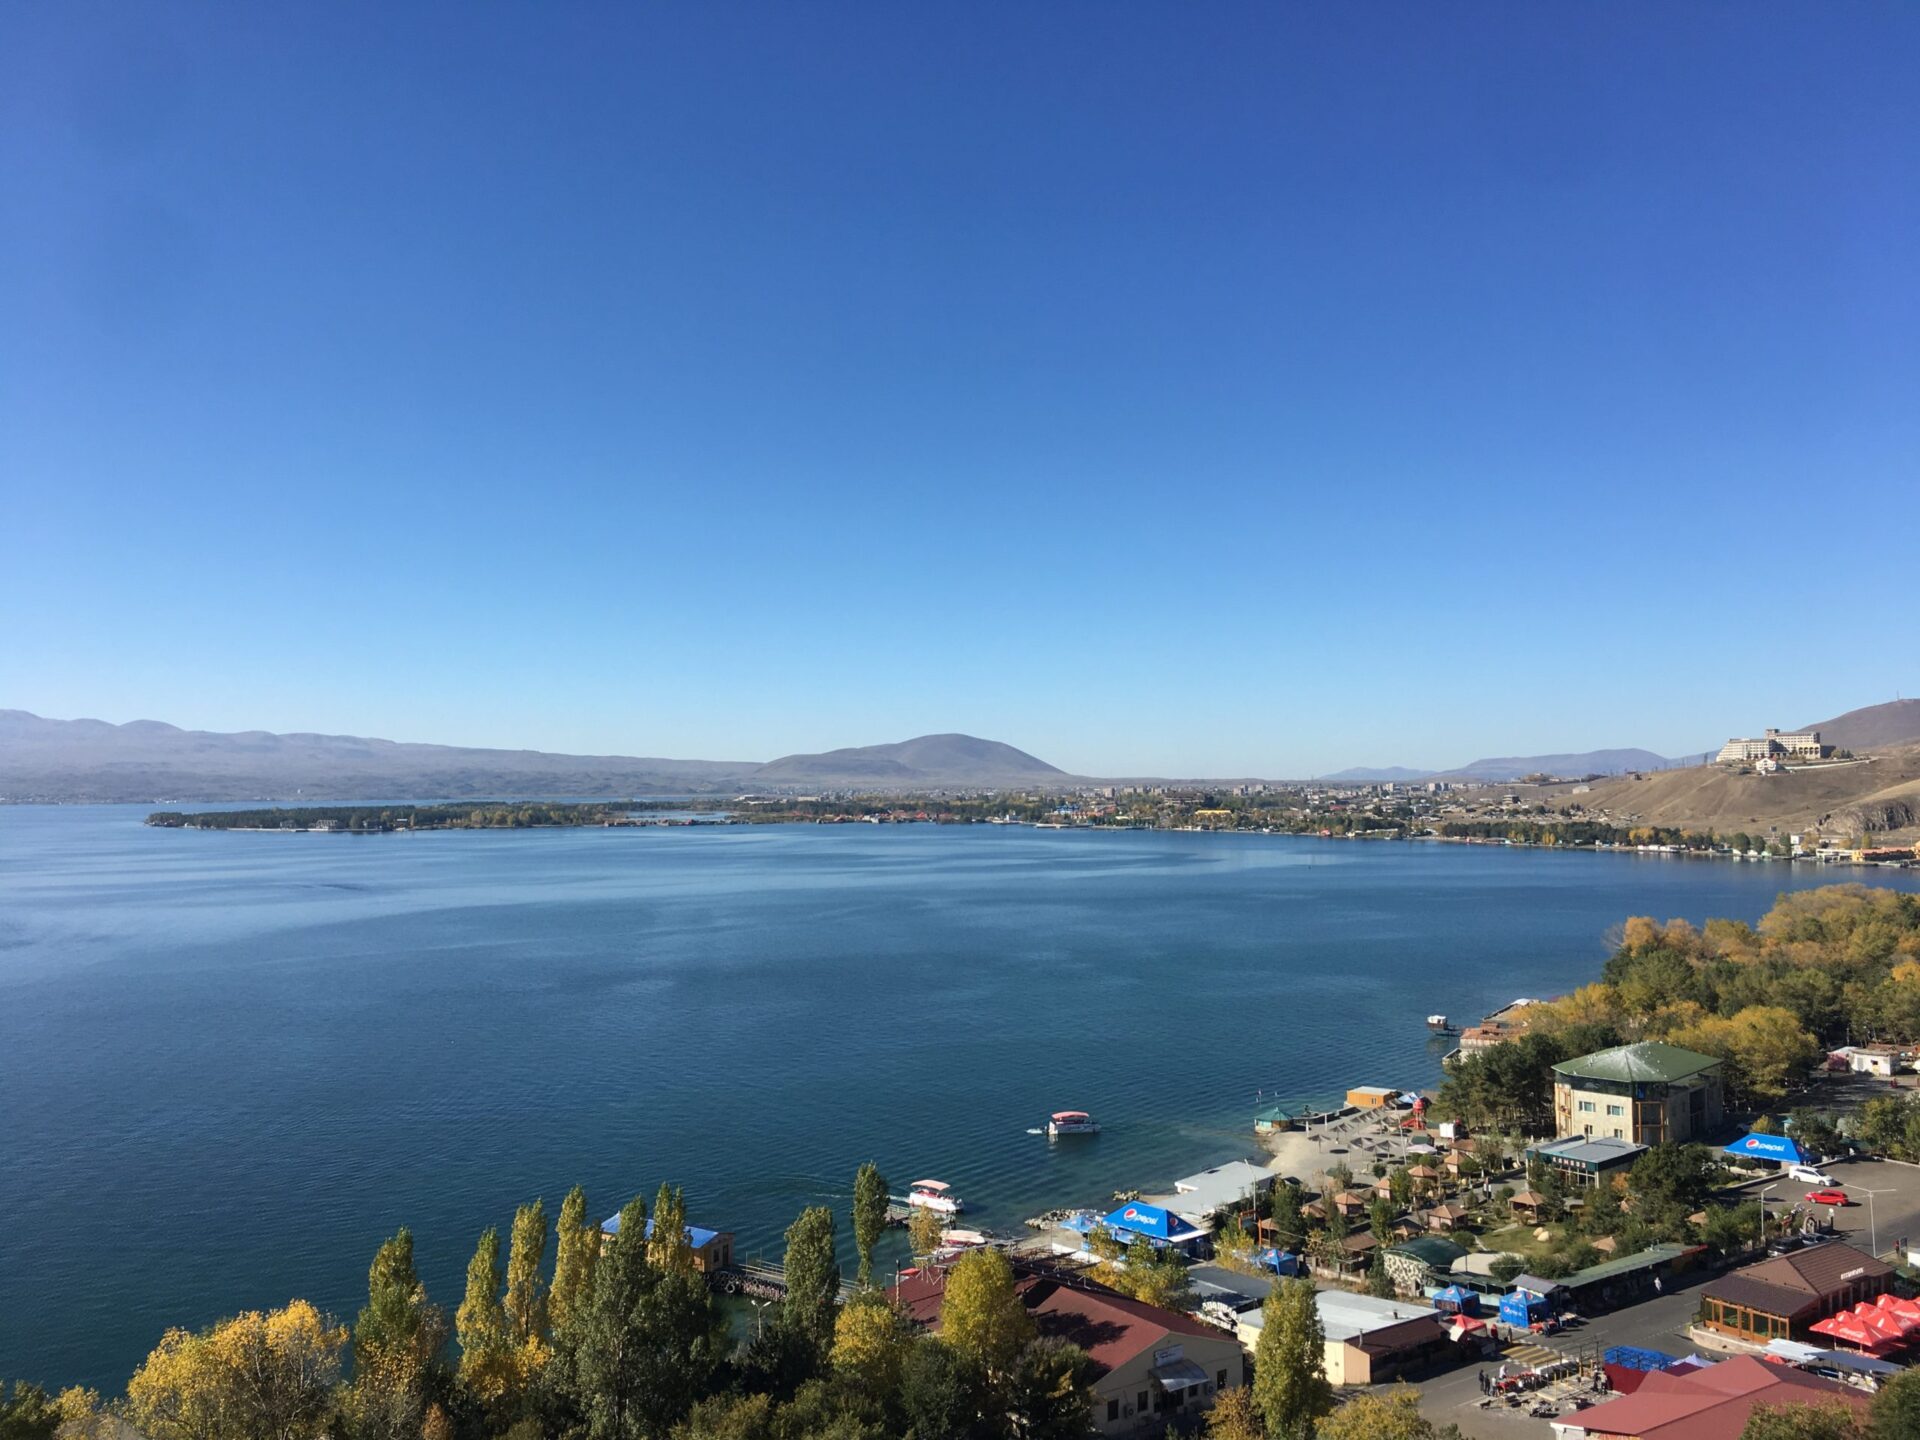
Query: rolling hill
point(1897, 722)
point(925, 760)
point(1879, 797)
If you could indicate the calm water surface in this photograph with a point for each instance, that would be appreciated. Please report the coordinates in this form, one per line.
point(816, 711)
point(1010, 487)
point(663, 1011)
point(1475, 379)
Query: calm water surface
point(231, 1063)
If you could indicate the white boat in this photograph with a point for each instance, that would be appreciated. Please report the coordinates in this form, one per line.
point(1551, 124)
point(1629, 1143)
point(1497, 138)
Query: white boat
point(934, 1195)
point(1440, 1023)
point(1072, 1122)
point(963, 1239)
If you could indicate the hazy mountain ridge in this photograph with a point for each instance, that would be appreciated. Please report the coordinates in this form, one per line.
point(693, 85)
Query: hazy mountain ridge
point(1517, 767)
point(1895, 722)
point(144, 760)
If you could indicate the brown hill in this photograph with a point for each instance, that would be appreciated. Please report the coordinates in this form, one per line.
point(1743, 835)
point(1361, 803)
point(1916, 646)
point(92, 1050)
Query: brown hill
point(1873, 727)
point(1878, 797)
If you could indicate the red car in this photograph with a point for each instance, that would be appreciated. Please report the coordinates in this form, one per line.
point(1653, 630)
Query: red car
point(1827, 1197)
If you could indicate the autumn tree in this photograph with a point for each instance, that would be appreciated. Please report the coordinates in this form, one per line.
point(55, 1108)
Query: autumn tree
point(1392, 1416)
point(869, 1215)
point(396, 1344)
point(981, 1316)
point(668, 1247)
point(526, 1304)
point(870, 1343)
point(1290, 1375)
point(258, 1376)
point(486, 1346)
point(1234, 1416)
point(576, 1247)
point(923, 1231)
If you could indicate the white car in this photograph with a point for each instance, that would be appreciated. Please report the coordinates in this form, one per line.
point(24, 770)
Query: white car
point(1810, 1175)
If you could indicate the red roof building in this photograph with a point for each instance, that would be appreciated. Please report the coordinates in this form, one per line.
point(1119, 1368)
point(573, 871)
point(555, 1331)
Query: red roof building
point(1708, 1404)
point(1147, 1360)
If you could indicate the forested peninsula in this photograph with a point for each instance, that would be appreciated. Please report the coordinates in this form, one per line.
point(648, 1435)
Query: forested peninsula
point(372, 819)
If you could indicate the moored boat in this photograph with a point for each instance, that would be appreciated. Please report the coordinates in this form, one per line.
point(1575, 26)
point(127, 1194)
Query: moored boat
point(1072, 1122)
point(1440, 1024)
point(934, 1195)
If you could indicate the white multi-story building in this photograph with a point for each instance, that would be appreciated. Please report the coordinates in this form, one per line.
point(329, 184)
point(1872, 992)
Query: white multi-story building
point(1802, 745)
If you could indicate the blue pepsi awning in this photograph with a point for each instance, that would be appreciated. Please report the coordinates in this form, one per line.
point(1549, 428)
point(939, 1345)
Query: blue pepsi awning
point(1755, 1146)
point(1153, 1221)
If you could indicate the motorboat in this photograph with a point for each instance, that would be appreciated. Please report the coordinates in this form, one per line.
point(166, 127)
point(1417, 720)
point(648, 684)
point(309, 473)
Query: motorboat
point(1072, 1122)
point(1440, 1024)
point(935, 1195)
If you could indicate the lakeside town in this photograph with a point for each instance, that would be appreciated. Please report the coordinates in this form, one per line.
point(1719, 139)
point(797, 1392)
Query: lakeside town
point(1683, 1198)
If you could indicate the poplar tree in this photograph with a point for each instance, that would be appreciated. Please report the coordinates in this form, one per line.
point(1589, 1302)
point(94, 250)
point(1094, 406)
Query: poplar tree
point(575, 1250)
point(645, 1345)
point(526, 1307)
point(481, 1322)
point(396, 1341)
point(668, 1247)
point(1289, 1364)
point(869, 1215)
point(981, 1316)
point(813, 1280)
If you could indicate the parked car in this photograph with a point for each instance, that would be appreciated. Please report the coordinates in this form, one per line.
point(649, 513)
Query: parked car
point(1827, 1197)
point(1810, 1175)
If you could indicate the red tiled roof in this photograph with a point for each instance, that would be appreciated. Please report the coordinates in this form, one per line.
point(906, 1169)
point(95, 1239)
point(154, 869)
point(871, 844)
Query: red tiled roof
point(1712, 1403)
point(1111, 1328)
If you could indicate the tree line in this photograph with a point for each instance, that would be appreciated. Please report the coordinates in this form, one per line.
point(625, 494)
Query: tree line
point(468, 815)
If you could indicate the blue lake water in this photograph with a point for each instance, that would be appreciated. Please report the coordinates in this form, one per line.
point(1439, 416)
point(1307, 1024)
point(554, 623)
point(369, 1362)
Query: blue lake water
point(231, 1063)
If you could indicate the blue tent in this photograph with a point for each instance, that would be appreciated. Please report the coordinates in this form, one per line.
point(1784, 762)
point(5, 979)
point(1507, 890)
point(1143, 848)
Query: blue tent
point(1458, 1297)
point(1755, 1146)
point(1281, 1262)
point(1522, 1308)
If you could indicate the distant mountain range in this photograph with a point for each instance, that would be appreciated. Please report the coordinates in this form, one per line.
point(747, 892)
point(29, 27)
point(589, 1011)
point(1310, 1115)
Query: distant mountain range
point(1518, 767)
point(144, 760)
point(1897, 722)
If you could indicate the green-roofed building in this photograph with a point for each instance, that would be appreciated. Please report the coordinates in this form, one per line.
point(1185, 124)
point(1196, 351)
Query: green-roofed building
point(1650, 1094)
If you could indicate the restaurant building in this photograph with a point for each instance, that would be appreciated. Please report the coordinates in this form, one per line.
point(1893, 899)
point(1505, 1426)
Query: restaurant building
point(1780, 1299)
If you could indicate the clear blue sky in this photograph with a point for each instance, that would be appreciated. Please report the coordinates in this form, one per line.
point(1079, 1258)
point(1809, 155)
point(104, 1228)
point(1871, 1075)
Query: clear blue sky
point(1163, 389)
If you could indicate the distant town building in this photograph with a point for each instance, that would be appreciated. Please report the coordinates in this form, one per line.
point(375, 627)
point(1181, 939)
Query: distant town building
point(1802, 745)
point(1649, 1093)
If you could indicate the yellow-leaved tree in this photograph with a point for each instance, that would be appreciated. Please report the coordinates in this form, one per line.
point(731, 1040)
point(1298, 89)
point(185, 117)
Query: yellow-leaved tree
point(258, 1376)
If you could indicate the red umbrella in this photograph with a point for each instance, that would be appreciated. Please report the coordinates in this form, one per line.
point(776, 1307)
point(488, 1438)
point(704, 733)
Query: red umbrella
point(1895, 1305)
point(1852, 1329)
point(1889, 1327)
